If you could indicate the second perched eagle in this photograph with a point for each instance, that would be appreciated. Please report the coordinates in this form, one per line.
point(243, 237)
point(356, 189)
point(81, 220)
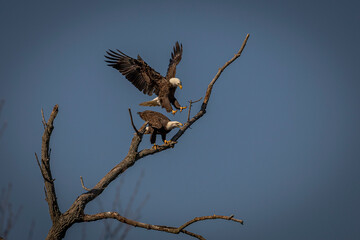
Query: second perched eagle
point(158, 124)
point(147, 80)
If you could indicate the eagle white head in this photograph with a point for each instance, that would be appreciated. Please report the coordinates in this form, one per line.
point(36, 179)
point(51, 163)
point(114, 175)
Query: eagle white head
point(175, 82)
point(173, 124)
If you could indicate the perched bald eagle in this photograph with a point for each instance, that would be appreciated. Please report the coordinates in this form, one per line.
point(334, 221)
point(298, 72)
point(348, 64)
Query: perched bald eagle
point(147, 80)
point(158, 124)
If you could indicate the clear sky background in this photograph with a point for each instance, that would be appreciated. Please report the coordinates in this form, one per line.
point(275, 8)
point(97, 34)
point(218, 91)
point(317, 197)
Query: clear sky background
point(278, 147)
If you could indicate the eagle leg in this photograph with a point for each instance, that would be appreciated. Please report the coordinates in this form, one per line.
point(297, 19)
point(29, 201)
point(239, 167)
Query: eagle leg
point(155, 146)
point(182, 108)
point(171, 143)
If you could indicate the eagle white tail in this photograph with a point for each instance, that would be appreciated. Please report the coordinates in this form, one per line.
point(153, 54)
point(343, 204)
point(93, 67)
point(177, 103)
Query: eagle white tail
point(153, 103)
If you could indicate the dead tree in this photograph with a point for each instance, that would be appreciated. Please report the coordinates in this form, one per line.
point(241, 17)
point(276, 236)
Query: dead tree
point(62, 221)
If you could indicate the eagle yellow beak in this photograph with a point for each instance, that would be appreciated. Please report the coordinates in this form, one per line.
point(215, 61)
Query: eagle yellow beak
point(180, 124)
point(180, 86)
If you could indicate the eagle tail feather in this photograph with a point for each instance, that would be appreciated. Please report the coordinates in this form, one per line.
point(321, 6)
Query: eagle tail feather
point(152, 103)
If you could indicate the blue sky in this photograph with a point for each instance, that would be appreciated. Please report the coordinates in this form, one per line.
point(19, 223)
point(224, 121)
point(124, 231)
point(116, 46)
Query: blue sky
point(278, 147)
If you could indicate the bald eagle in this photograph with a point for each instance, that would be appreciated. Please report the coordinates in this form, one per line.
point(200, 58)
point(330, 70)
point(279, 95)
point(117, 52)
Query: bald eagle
point(158, 124)
point(147, 80)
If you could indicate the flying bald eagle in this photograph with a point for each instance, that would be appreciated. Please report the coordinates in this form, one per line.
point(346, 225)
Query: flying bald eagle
point(147, 80)
point(158, 124)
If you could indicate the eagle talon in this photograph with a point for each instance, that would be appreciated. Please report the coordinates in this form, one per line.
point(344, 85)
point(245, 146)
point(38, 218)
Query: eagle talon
point(182, 108)
point(155, 147)
point(171, 143)
point(173, 112)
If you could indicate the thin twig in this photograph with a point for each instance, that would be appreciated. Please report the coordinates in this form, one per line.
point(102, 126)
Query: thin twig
point(37, 159)
point(190, 103)
point(82, 184)
point(41, 170)
point(43, 118)
point(197, 219)
point(197, 100)
point(188, 118)
point(132, 122)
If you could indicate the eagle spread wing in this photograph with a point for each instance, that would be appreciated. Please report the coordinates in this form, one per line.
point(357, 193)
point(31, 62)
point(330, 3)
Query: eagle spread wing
point(174, 60)
point(137, 71)
point(155, 119)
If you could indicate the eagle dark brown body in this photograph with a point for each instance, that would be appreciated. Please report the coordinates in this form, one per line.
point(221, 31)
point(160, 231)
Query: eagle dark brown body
point(147, 80)
point(158, 124)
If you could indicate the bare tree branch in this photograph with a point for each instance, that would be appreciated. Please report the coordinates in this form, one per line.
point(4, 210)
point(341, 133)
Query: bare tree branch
point(41, 170)
point(208, 218)
point(117, 216)
point(190, 104)
point(209, 89)
point(62, 222)
point(132, 123)
point(82, 184)
point(43, 118)
point(45, 167)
